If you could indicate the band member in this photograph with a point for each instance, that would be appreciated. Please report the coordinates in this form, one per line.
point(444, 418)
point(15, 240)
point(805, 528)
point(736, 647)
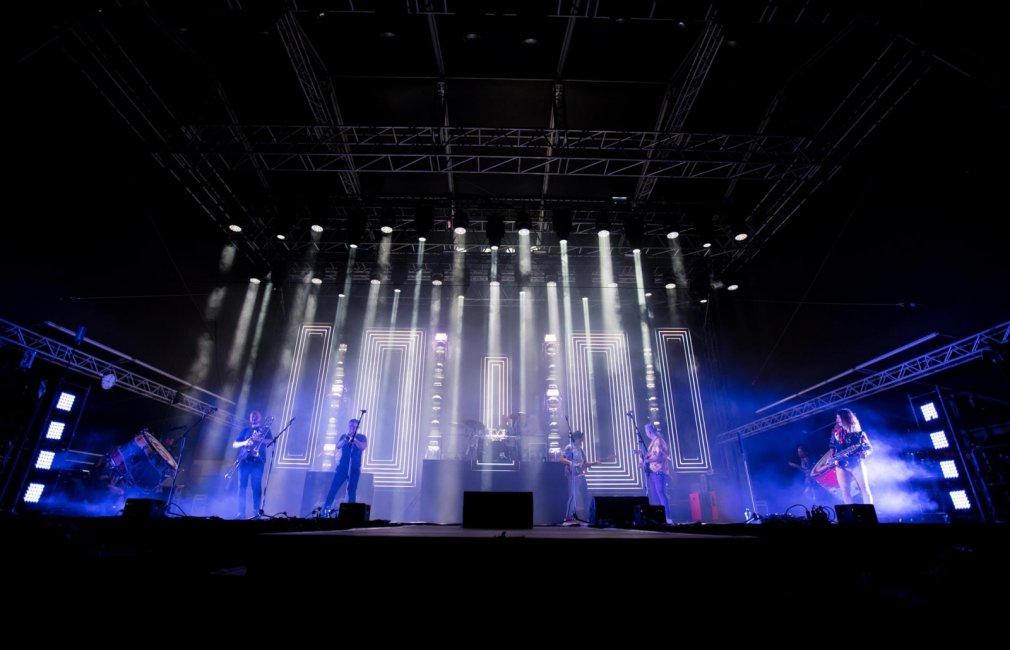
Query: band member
point(804, 464)
point(351, 446)
point(848, 447)
point(251, 443)
point(658, 457)
point(574, 457)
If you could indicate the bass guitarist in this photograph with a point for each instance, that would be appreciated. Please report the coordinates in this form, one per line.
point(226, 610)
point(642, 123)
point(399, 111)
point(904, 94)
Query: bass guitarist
point(251, 443)
point(576, 464)
point(849, 446)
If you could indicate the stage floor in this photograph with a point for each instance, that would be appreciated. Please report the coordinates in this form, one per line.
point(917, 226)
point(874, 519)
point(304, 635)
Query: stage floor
point(798, 566)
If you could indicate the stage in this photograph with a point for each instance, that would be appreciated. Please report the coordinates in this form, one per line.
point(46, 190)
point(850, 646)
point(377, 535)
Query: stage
point(793, 565)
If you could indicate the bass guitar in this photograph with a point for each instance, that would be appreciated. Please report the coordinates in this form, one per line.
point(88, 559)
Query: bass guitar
point(583, 467)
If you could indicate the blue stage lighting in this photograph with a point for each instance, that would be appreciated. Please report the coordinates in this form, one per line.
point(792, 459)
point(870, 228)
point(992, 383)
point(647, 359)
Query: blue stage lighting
point(45, 460)
point(55, 430)
point(66, 401)
point(34, 492)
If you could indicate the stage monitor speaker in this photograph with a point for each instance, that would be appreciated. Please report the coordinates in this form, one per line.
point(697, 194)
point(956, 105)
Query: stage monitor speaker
point(497, 510)
point(317, 484)
point(646, 516)
point(354, 514)
point(616, 512)
point(856, 513)
point(144, 508)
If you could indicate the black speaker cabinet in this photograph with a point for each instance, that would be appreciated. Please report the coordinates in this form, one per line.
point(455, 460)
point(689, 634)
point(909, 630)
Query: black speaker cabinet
point(856, 513)
point(497, 510)
point(649, 516)
point(317, 484)
point(616, 512)
point(137, 508)
point(354, 514)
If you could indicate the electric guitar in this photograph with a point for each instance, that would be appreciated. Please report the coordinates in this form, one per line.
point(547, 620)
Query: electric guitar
point(832, 461)
point(581, 468)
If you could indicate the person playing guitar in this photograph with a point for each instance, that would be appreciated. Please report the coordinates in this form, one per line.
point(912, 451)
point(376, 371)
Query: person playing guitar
point(251, 460)
point(848, 447)
point(576, 464)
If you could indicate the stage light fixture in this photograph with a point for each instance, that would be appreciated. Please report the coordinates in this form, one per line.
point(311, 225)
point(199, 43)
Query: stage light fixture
point(495, 229)
point(460, 222)
point(65, 402)
point(562, 222)
point(424, 219)
point(523, 223)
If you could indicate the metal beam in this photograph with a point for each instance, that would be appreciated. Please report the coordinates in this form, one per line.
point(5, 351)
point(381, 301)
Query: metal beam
point(296, 139)
point(421, 163)
point(679, 99)
point(319, 92)
point(955, 354)
point(91, 366)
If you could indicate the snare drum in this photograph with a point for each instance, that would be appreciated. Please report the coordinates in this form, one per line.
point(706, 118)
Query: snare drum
point(144, 462)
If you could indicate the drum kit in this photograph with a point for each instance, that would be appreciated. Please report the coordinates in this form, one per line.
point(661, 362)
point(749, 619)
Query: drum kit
point(499, 445)
point(143, 462)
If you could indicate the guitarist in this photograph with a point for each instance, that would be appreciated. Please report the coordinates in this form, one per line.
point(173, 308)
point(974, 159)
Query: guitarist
point(251, 443)
point(574, 458)
point(850, 445)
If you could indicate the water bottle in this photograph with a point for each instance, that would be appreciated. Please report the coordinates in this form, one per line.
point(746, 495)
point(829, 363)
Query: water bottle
point(747, 515)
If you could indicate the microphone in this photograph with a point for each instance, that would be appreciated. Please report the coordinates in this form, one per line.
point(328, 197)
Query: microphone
point(364, 410)
point(630, 414)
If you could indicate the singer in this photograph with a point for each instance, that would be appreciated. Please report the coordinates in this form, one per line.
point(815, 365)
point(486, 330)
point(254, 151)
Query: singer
point(660, 467)
point(351, 445)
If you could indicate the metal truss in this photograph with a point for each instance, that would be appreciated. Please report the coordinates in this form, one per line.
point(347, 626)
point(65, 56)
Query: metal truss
point(441, 163)
point(104, 62)
point(319, 92)
point(898, 69)
point(678, 101)
point(72, 358)
point(955, 354)
point(309, 139)
point(770, 12)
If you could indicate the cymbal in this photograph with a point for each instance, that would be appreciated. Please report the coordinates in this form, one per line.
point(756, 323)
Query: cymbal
point(516, 415)
point(473, 424)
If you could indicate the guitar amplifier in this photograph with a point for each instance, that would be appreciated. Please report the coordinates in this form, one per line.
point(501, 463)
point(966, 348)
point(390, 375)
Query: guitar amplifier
point(136, 508)
point(616, 512)
point(353, 514)
point(645, 516)
point(856, 513)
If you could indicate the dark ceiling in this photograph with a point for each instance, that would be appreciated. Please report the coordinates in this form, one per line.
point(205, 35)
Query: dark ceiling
point(854, 142)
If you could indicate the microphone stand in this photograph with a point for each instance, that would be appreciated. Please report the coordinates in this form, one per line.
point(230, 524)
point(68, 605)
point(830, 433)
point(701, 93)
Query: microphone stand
point(270, 471)
point(182, 450)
